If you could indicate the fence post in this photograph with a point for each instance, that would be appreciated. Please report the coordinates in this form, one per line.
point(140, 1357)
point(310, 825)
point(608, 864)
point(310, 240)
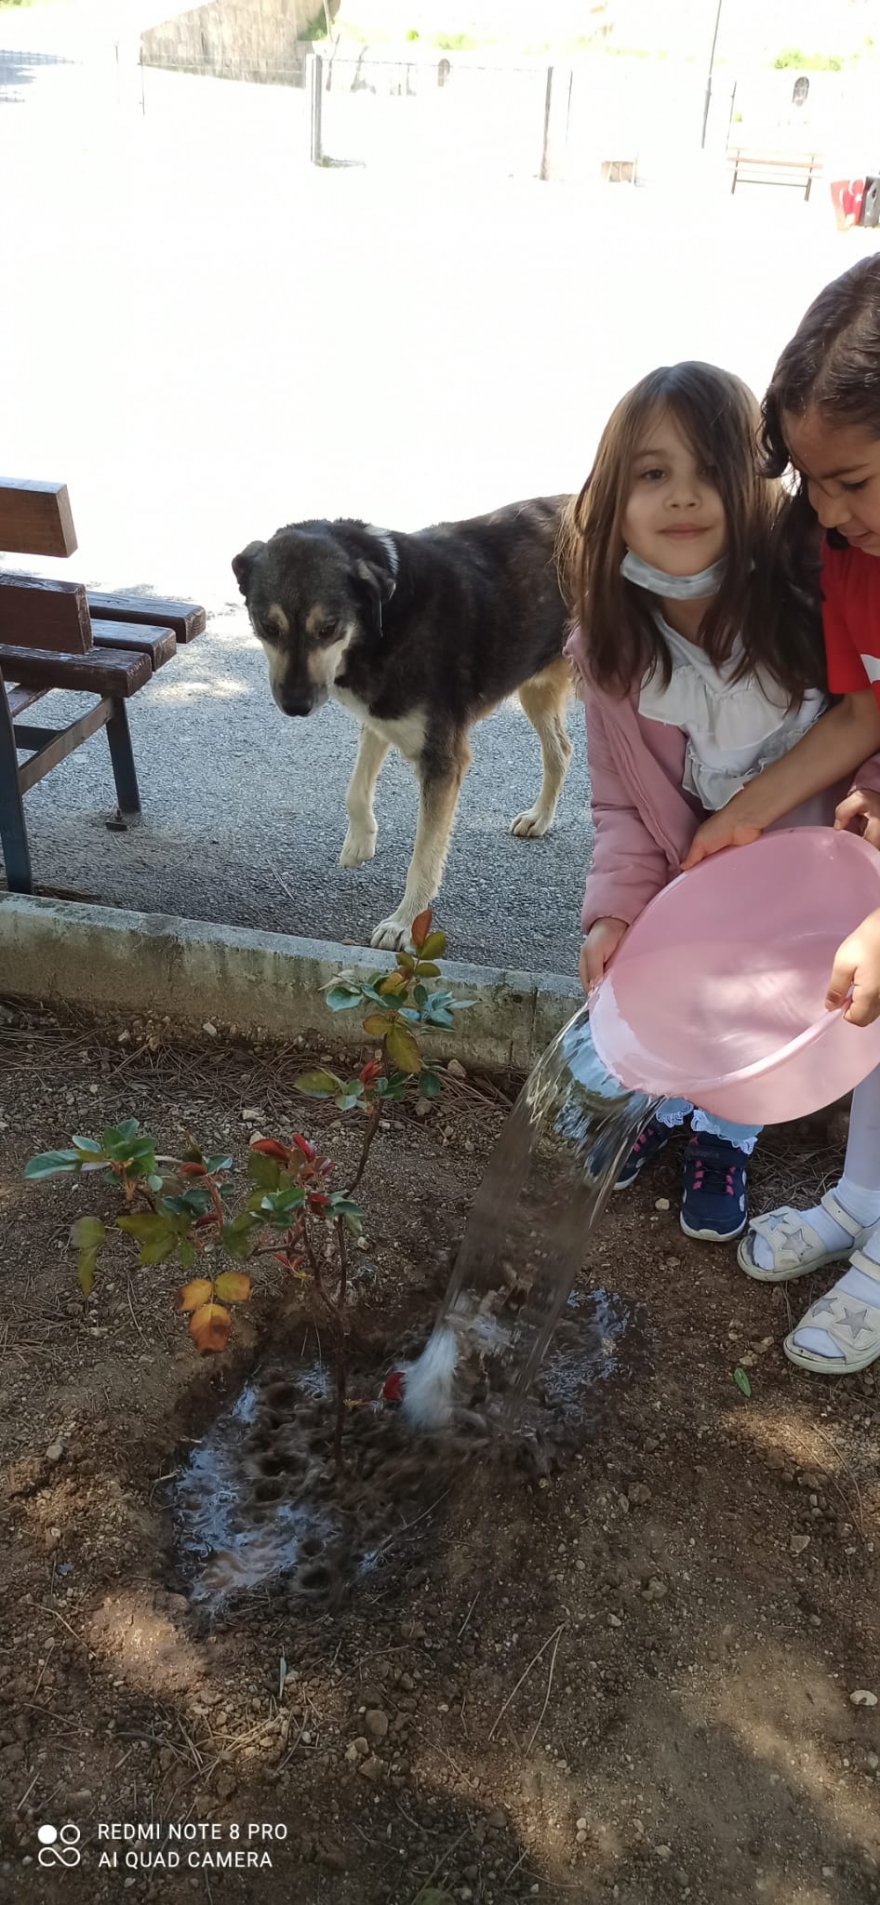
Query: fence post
point(316, 103)
point(557, 115)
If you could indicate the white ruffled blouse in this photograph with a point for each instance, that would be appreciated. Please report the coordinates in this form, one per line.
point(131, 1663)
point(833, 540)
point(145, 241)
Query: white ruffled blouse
point(734, 729)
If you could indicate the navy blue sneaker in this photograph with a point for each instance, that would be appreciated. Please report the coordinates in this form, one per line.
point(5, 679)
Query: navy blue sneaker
point(713, 1204)
point(653, 1140)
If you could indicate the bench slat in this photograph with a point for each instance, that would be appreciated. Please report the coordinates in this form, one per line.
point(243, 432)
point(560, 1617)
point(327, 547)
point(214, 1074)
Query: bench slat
point(159, 643)
point(35, 518)
point(104, 671)
point(20, 699)
point(185, 618)
point(38, 613)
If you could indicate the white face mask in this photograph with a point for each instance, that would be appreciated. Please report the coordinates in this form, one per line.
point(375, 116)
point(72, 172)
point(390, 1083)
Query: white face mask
point(676, 588)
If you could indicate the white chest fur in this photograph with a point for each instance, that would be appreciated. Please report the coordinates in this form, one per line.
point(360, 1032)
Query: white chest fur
point(407, 734)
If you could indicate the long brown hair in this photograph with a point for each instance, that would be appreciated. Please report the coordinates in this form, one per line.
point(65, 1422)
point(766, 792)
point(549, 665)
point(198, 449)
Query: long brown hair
point(719, 416)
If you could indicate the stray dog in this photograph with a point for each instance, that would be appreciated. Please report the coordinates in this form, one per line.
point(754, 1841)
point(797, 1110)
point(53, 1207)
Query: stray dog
point(418, 636)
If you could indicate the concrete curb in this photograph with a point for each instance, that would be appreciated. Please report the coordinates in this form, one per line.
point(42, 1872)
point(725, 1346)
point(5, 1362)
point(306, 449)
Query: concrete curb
point(152, 964)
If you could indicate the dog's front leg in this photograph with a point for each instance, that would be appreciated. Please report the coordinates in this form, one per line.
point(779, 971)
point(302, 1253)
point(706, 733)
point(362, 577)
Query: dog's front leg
point(438, 799)
point(360, 841)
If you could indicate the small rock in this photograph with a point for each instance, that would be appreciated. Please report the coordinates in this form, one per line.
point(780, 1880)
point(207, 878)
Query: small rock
point(412, 1630)
point(455, 1069)
point(614, 1620)
point(351, 1753)
point(872, 1762)
point(862, 1698)
point(496, 1820)
point(662, 1203)
point(663, 1851)
point(581, 1824)
point(376, 1724)
point(639, 1493)
point(210, 1029)
point(54, 1452)
point(799, 1543)
point(655, 1589)
point(371, 1769)
point(361, 1746)
point(250, 1114)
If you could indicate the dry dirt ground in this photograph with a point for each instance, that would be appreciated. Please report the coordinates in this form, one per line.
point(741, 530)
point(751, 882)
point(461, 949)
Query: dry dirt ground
point(628, 1680)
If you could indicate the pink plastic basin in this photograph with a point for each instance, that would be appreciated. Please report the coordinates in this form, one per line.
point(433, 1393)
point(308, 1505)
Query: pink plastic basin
point(717, 992)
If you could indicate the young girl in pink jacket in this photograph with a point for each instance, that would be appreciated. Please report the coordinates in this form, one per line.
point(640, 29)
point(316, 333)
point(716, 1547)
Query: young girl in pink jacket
point(702, 666)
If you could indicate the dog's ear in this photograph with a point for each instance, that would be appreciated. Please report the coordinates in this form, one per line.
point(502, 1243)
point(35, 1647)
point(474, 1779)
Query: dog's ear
point(242, 565)
point(376, 584)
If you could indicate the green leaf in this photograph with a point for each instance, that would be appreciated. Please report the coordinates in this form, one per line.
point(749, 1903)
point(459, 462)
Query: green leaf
point(144, 1225)
point(85, 1270)
point(186, 1254)
point(87, 1233)
point(420, 996)
point(51, 1164)
point(263, 1171)
point(433, 947)
point(236, 1238)
point(426, 969)
point(213, 1165)
point(377, 1024)
point(90, 1146)
point(156, 1183)
point(429, 1084)
point(402, 1049)
point(348, 1100)
point(742, 1381)
point(318, 1084)
point(342, 998)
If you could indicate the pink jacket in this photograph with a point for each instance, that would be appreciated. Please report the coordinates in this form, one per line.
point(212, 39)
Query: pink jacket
point(643, 821)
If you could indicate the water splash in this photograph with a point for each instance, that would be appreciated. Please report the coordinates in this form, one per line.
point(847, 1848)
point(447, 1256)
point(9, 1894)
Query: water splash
point(545, 1190)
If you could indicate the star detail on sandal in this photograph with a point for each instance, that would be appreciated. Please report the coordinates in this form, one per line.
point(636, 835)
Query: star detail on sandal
point(856, 1322)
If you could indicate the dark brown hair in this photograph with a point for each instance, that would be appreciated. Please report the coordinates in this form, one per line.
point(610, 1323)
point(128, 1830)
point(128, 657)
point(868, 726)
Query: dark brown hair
point(719, 416)
point(832, 363)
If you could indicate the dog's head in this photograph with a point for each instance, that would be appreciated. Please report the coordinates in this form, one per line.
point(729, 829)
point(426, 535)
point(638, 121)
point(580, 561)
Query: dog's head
point(313, 591)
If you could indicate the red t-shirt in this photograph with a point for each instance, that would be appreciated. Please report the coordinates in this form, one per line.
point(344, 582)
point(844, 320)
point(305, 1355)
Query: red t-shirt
point(851, 620)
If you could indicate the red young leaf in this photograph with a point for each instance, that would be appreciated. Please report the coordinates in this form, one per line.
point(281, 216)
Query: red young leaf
point(392, 1388)
point(271, 1148)
point(421, 927)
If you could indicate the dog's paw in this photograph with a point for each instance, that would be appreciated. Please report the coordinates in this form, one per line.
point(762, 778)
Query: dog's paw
point(530, 825)
point(358, 847)
point(393, 933)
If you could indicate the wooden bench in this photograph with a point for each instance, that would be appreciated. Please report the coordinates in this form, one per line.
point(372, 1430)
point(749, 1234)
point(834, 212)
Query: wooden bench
point(773, 168)
point(58, 635)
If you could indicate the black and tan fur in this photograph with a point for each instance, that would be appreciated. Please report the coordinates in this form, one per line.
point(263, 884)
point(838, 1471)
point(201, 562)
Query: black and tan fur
point(418, 636)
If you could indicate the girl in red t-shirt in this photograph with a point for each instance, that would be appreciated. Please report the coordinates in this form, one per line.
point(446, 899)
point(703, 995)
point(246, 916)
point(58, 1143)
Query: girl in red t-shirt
point(822, 420)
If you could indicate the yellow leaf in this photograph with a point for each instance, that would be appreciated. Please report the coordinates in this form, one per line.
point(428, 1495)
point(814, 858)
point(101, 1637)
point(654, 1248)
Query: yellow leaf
point(376, 1026)
point(209, 1328)
point(402, 1048)
point(194, 1294)
point(394, 982)
point(434, 946)
point(233, 1286)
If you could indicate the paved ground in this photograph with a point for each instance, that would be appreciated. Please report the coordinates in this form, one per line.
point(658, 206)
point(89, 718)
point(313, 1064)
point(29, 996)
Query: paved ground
point(210, 337)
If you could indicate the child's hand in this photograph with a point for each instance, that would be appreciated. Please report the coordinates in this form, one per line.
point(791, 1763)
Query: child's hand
point(860, 813)
point(601, 942)
point(718, 832)
point(857, 964)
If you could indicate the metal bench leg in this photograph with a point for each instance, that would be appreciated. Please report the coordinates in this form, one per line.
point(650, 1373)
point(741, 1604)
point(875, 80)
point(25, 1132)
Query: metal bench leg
point(13, 831)
point(124, 774)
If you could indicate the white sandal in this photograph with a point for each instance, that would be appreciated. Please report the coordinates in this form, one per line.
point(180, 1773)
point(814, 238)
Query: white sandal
point(852, 1324)
point(797, 1248)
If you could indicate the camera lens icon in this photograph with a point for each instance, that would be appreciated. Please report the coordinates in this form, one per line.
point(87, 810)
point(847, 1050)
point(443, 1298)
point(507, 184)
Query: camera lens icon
point(59, 1846)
